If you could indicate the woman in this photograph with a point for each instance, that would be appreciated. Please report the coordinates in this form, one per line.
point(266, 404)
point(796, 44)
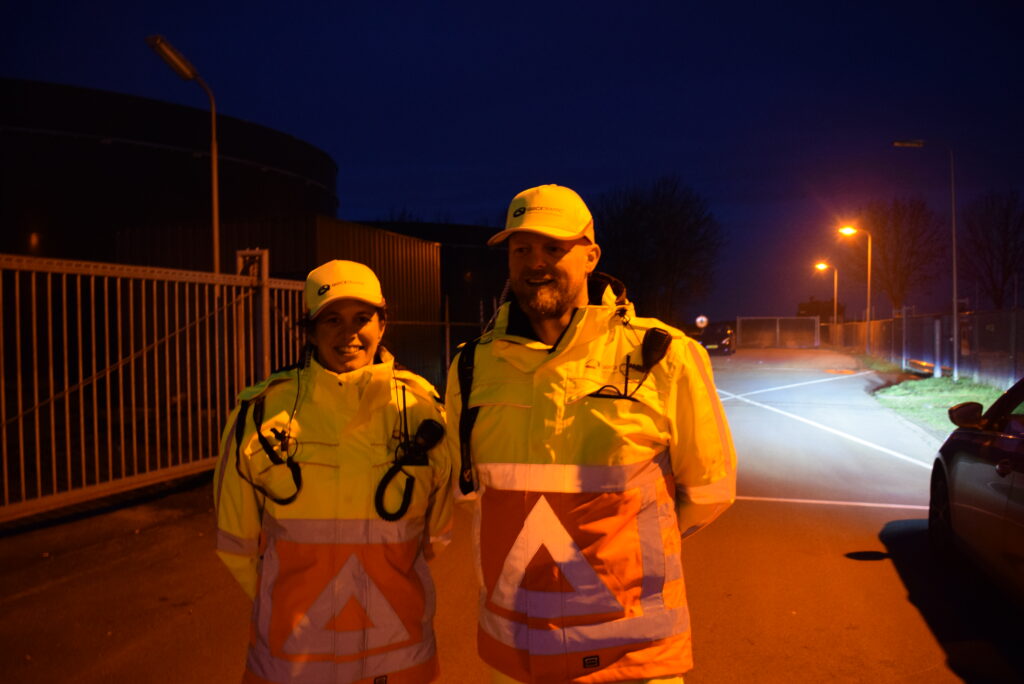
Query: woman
point(331, 492)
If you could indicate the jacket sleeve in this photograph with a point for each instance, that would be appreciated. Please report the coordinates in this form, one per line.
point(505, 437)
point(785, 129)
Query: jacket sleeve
point(703, 456)
point(453, 410)
point(237, 507)
point(439, 512)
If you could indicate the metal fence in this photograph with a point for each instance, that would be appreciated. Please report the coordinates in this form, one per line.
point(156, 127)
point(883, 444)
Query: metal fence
point(991, 343)
point(116, 377)
point(777, 331)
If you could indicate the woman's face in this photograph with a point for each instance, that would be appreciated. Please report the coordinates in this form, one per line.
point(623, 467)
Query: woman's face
point(346, 334)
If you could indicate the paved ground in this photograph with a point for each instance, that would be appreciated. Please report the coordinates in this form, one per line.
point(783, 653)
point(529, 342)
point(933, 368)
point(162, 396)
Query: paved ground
point(818, 573)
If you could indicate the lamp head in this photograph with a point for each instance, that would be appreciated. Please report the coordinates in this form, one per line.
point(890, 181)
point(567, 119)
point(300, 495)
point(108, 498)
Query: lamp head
point(174, 59)
point(821, 266)
point(848, 230)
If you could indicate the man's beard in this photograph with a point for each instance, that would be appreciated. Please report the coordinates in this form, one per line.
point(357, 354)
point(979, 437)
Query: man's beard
point(550, 301)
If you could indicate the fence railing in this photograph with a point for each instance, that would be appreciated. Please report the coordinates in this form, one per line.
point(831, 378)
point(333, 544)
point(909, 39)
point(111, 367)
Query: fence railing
point(116, 377)
point(991, 343)
point(777, 331)
point(113, 377)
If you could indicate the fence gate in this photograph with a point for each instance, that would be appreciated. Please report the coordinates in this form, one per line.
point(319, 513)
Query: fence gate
point(796, 332)
point(115, 377)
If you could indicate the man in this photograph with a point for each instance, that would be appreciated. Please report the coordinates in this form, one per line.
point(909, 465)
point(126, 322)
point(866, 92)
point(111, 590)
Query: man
point(592, 456)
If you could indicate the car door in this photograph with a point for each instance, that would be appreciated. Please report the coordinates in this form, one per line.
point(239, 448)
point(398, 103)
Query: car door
point(1008, 451)
point(982, 478)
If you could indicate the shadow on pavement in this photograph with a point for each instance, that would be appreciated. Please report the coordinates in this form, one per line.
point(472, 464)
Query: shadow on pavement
point(980, 629)
point(97, 507)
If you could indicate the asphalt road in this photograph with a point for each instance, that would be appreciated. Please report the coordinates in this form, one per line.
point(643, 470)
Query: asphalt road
point(819, 573)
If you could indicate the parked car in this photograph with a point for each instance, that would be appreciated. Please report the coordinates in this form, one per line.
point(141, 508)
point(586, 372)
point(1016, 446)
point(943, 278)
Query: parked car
point(977, 488)
point(718, 338)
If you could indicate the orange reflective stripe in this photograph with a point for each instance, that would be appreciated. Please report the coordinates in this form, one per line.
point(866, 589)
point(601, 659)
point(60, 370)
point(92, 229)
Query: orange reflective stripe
point(599, 563)
point(302, 591)
point(342, 612)
point(576, 590)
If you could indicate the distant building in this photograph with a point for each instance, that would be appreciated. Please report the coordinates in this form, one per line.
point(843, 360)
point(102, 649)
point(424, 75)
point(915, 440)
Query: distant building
point(100, 176)
point(88, 174)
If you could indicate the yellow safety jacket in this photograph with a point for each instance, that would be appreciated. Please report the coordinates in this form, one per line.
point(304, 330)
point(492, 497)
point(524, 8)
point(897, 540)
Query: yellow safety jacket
point(341, 595)
point(582, 498)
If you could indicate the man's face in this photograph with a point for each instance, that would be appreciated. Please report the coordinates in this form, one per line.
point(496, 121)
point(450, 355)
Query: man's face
point(549, 276)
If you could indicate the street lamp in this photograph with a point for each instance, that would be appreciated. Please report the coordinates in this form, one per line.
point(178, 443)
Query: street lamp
point(184, 68)
point(850, 230)
point(952, 223)
point(824, 266)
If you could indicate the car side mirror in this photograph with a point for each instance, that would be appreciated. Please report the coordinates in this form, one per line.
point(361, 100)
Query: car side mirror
point(966, 415)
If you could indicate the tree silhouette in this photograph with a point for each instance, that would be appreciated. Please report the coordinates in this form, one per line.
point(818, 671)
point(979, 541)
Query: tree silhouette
point(906, 247)
point(993, 244)
point(662, 241)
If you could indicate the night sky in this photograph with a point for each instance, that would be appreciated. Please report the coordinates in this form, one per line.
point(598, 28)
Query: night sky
point(780, 114)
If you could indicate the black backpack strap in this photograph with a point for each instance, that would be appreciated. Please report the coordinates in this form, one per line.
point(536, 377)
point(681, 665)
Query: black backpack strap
point(243, 409)
point(275, 458)
point(257, 420)
point(468, 416)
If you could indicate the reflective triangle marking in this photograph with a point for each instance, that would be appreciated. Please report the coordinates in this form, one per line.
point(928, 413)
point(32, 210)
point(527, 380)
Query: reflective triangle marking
point(588, 595)
point(313, 634)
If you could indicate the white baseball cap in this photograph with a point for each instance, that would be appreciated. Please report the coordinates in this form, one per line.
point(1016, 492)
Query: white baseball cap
point(340, 279)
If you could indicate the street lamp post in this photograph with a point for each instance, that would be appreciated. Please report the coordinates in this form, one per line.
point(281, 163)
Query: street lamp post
point(952, 223)
point(184, 68)
point(824, 266)
point(850, 230)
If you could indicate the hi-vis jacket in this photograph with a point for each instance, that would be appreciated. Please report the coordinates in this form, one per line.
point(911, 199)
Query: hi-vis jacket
point(340, 594)
point(583, 500)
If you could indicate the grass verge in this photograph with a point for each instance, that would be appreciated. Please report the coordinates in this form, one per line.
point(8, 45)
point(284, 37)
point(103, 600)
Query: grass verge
point(927, 401)
point(878, 365)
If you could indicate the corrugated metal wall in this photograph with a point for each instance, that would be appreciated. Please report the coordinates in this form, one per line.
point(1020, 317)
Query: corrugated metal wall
point(410, 274)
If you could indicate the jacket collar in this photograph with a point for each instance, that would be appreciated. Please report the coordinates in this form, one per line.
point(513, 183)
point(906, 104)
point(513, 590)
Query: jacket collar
point(513, 337)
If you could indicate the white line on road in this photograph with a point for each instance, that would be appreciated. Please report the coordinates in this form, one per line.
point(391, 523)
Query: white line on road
point(826, 428)
point(796, 384)
point(821, 502)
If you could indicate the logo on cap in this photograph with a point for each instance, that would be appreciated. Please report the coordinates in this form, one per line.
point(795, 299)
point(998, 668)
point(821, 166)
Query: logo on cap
point(323, 288)
point(519, 212)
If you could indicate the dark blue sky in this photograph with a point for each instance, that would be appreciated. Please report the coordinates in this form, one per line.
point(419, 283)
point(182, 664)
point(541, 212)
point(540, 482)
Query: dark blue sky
point(782, 117)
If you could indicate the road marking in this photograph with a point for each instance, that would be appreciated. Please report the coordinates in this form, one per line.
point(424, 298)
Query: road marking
point(821, 502)
point(826, 428)
point(796, 384)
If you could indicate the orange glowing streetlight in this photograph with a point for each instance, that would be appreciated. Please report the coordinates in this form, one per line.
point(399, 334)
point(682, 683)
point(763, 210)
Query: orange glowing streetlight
point(824, 266)
point(850, 230)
